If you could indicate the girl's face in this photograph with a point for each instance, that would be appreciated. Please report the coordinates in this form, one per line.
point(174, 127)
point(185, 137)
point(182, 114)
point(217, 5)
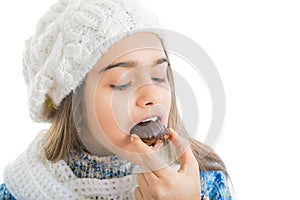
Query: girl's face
point(128, 85)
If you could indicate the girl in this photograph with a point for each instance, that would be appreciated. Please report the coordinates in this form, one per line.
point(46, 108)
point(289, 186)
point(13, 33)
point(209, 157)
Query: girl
point(94, 70)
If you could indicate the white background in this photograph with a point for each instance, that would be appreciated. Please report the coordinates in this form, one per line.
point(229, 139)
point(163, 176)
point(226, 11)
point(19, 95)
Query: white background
point(255, 46)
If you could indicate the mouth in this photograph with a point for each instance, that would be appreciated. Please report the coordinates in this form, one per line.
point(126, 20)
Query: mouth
point(153, 118)
point(151, 131)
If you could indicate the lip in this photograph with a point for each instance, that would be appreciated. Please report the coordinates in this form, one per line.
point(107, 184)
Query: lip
point(155, 111)
point(159, 115)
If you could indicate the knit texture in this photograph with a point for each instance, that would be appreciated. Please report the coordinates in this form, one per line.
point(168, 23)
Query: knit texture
point(32, 176)
point(84, 176)
point(85, 165)
point(69, 39)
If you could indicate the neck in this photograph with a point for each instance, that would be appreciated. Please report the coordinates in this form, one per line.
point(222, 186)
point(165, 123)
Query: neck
point(100, 150)
point(92, 143)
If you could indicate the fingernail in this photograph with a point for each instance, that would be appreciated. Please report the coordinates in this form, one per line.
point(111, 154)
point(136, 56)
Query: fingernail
point(133, 137)
point(173, 134)
point(171, 130)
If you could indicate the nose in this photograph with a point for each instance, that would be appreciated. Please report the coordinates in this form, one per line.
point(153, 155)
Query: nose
point(148, 95)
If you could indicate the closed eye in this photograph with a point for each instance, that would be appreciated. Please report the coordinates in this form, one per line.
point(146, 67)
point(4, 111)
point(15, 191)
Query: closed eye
point(121, 87)
point(159, 80)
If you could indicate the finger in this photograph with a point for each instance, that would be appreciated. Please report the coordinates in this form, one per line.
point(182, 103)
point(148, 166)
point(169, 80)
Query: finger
point(138, 194)
point(188, 162)
point(142, 181)
point(140, 146)
point(150, 176)
point(150, 160)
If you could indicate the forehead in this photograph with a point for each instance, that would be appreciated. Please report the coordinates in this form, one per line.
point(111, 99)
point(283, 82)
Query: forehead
point(133, 47)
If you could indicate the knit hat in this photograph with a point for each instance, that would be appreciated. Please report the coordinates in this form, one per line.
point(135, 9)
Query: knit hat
point(69, 40)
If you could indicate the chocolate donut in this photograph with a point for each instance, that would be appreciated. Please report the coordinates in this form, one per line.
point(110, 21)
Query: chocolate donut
point(151, 132)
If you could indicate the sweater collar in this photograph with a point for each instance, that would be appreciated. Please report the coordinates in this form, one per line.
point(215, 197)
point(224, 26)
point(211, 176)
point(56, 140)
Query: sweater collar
point(85, 165)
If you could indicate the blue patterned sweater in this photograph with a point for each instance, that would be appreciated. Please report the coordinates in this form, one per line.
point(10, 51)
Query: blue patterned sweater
point(213, 183)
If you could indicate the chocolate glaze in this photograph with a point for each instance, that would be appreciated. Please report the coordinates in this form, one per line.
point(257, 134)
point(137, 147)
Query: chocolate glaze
point(151, 132)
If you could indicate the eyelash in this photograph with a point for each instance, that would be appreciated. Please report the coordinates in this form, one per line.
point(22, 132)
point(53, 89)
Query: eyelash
point(121, 87)
point(159, 80)
point(125, 86)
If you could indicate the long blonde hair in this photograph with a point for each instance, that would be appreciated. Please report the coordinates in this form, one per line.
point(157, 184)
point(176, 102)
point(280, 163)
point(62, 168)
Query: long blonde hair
point(62, 136)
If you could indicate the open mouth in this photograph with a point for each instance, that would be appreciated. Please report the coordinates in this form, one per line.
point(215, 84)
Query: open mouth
point(151, 131)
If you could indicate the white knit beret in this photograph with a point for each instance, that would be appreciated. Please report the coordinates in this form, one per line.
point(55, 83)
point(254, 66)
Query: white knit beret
point(69, 40)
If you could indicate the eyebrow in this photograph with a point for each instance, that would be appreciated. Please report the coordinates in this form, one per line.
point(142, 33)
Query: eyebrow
point(131, 64)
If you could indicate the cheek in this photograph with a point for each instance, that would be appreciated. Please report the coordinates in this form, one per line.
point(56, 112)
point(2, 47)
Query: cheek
point(166, 93)
point(108, 118)
point(167, 99)
point(103, 111)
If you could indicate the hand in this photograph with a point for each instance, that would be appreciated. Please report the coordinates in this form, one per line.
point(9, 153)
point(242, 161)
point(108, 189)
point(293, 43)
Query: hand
point(167, 183)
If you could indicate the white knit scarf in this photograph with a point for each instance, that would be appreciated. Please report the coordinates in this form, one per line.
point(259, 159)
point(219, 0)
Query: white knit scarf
point(32, 176)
